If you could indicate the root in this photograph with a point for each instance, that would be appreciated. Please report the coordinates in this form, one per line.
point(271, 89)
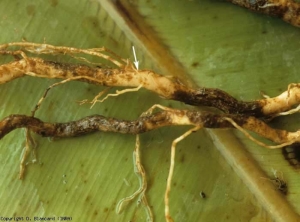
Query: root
point(290, 112)
point(82, 59)
point(37, 106)
point(264, 95)
point(244, 116)
point(171, 170)
point(267, 5)
point(15, 54)
point(140, 172)
point(168, 117)
point(125, 75)
point(118, 92)
point(43, 48)
point(257, 141)
point(152, 108)
point(94, 101)
point(26, 151)
point(283, 103)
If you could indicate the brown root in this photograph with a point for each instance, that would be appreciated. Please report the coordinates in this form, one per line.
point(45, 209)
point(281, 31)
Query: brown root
point(147, 122)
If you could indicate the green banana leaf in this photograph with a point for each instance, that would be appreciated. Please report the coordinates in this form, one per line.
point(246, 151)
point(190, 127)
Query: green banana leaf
point(205, 43)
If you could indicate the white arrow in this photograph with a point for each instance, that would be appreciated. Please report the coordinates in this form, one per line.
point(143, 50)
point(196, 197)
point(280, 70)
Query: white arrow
point(136, 62)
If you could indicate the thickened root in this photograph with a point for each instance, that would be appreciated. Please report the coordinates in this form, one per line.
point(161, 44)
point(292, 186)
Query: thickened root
point(125, 75)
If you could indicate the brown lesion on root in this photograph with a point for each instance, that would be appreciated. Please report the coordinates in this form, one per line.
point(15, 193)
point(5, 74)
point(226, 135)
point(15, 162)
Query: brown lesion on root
point(218, 99)
point(147, 122)
point(170, 117)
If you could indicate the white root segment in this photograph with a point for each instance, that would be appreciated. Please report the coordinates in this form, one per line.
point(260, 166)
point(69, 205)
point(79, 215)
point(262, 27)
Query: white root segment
point(118, 92)
point(140, 172)
point(30, 145)
point(284, 102)
point(292, 137)
point(171, 171)
point(290, 112)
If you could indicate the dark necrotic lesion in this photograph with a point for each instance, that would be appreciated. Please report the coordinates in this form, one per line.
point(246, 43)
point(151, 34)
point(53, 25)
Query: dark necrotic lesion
point(142, 124)
point(219, 99)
